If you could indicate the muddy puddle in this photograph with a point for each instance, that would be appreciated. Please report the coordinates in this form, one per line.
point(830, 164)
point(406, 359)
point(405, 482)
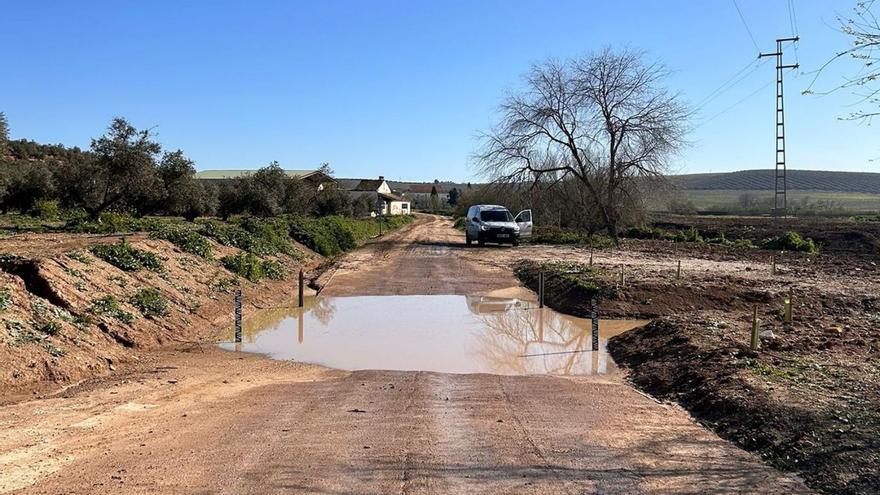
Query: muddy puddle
point(452, 334)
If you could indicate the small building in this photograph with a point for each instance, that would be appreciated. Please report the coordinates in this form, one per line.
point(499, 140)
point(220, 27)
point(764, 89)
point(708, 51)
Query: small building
point(381, 191)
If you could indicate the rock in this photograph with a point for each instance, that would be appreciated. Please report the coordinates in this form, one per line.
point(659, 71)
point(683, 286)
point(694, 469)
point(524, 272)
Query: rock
point(835, 330)
point(767, 334)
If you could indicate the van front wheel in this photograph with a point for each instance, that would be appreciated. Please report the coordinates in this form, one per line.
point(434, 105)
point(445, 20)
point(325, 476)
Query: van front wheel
point(467, 239)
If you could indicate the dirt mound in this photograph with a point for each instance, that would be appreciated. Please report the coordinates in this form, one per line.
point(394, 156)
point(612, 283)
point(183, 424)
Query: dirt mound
point(69, 315)
point(797, 410)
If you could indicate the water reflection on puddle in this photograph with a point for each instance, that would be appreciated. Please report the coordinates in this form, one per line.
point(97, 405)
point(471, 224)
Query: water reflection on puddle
point(453, 334)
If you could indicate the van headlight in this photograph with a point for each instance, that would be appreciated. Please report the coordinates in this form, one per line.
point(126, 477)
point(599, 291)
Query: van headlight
point(484, 228)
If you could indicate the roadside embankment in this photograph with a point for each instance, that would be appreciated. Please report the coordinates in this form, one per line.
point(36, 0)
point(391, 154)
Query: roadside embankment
point(76, 306)
point(806, 401)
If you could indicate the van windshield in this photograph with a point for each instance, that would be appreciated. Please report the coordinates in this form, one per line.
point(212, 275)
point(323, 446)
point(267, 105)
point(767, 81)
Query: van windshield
point(495, 216)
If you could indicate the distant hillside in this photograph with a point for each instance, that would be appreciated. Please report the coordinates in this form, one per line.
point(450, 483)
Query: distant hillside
point(798, 180)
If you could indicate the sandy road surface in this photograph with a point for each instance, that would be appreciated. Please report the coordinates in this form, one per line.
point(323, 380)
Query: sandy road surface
point(208, 421)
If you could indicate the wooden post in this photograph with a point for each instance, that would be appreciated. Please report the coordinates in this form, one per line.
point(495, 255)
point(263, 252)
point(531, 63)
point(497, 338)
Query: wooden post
point(301, 289)
point(622, 276)
point(772, 264)
point(678, 271)
point(237, 316)
point(788, 305)
point(756, 328)
point(591, 251)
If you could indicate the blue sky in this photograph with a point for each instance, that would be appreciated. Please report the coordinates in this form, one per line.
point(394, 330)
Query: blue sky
point(401, 88)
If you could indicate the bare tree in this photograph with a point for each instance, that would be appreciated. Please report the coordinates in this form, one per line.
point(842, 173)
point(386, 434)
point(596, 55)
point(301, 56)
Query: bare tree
point(604, 120)
point(863, 29)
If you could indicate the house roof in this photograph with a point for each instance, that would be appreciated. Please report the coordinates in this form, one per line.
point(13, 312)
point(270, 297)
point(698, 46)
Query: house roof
point(392, 197)
point(368, 185)
point(232, 174)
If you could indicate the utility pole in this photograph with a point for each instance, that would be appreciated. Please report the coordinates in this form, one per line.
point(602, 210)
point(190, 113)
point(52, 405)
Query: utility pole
point(779, 202)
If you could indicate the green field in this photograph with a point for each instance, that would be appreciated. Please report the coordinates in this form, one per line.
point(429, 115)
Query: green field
point(725, 200)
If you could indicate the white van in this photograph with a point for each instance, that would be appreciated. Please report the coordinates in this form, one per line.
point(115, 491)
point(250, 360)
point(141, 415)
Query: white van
point(493, 223)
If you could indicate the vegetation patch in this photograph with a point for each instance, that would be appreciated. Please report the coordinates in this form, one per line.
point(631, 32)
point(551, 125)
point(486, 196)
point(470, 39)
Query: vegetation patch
point(126, 257)
point(5, 299)
point(555, 235)
point(150, 302)
point(791, 241)
point(186, 239)
point(333, 235)
point(251, 267)
point(109, 306)
point(51, 327)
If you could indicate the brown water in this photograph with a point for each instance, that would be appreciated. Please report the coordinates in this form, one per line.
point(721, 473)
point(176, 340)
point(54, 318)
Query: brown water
point(453, 334)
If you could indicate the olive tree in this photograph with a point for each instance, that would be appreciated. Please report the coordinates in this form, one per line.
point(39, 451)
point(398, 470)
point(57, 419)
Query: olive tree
point(604, 120)
point(121, 169)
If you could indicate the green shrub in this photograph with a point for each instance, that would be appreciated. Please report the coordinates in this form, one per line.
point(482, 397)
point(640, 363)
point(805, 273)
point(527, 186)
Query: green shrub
point(55, 351)
point(5, 299)
point(251, 267)
point(554, 235)
point(258, 236)
point(126, 257)
point(79, 256)
point(790, 241)
point(186, 239)
point(46, 210)
point(51, 327)
point(109, 306)
point(150, 302)
point(460, 223)
point(273, 270)
point(332, 235)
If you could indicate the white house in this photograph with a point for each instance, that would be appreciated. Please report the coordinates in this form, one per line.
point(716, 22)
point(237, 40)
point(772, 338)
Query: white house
point(394, 204)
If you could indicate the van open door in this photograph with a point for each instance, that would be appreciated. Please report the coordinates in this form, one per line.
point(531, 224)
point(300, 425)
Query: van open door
point(524, 221)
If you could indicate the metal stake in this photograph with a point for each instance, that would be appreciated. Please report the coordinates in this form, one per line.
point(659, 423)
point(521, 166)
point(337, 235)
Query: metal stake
point(541, 289)
point(594, 315)
point(238, 316)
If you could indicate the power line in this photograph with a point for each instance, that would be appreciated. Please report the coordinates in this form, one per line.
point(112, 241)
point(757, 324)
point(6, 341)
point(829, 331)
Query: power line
point(792, 20)
point(738, 103)
point(743, 19)
point(731, 83)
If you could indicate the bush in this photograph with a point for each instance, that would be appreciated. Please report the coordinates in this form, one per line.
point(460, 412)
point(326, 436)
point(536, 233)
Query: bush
point(257, 236)
point(249, 266)
point(273, 270)
point(186, 239)
point(5, 299)
point(51, 327)
point(460, 223)
point(109, 306)
point(553, 235)
point(790, 241)
point(46, 210)
point(332, 235)
point(150, 302)
point(127, 258)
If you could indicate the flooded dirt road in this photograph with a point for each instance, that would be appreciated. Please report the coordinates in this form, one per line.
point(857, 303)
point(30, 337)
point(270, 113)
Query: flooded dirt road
point(211, 421)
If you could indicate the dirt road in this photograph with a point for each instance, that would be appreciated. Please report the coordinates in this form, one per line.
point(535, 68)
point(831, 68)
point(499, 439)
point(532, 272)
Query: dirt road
point(208, 421)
